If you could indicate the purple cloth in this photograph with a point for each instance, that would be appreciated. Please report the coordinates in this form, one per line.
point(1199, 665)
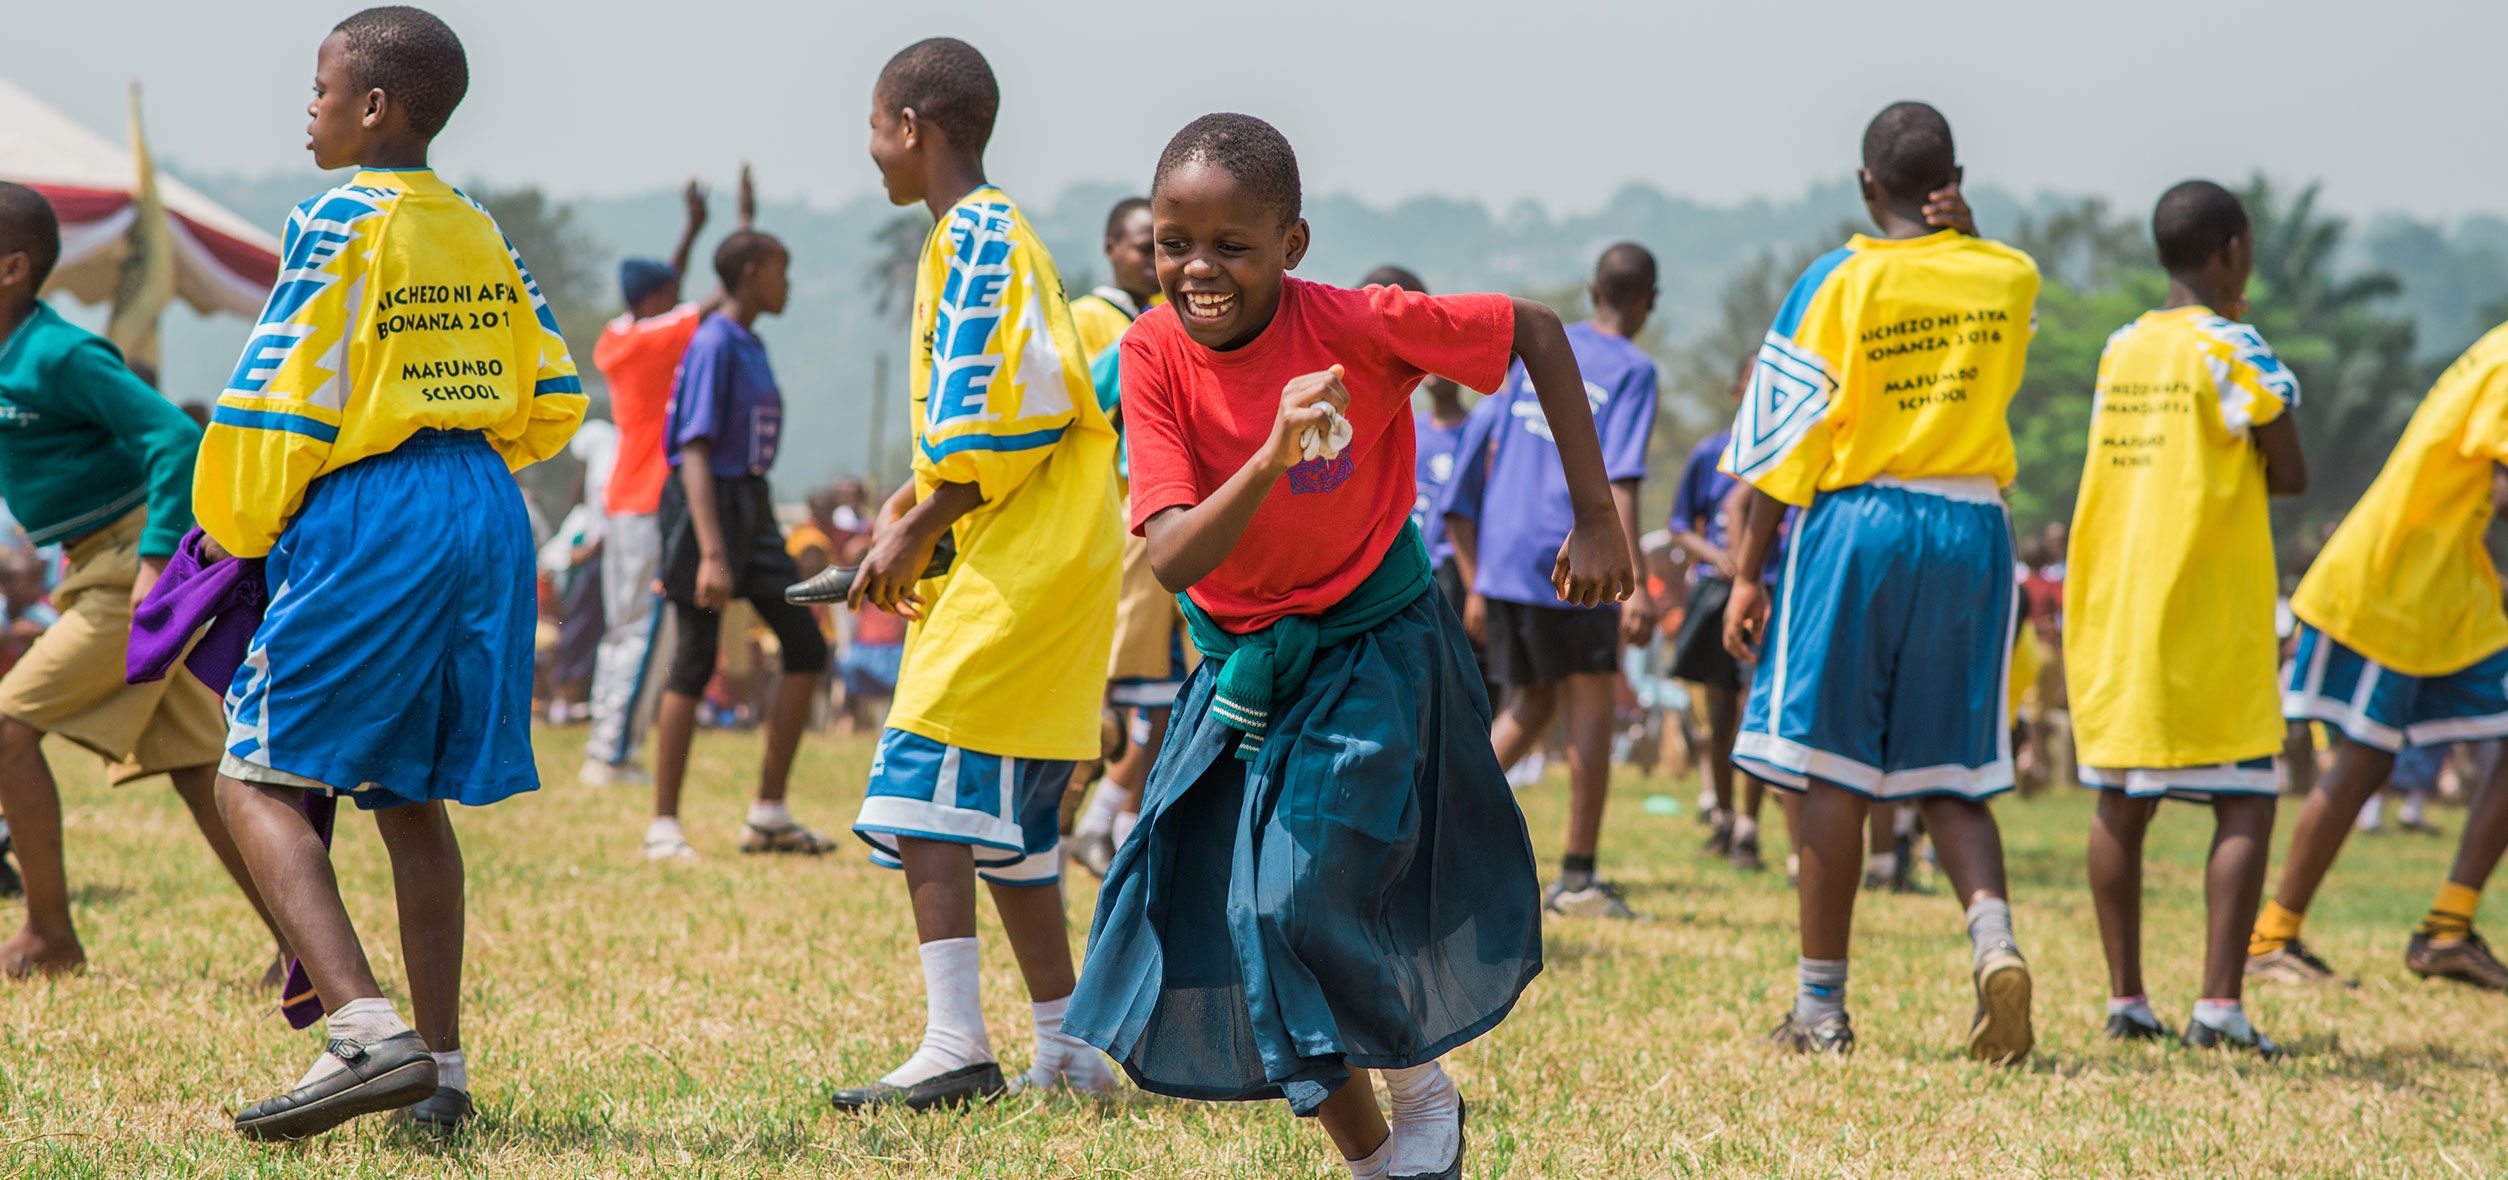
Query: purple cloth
point(227, 598)
point(1700, 500)
point(1507, 473)
point(1435, 471)
point(297, 1000)
point(726, 394)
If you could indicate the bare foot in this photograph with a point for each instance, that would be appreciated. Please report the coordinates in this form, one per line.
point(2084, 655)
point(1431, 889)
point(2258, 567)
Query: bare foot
point(26, 954)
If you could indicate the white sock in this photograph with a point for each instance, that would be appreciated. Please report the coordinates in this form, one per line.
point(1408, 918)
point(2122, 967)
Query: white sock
point(1745, 828)
point(1881, 864)
point(1427, 1119)
point(664, 829)
point(1376, 1166)
point(2139, 1006)
point(1063, 1059)
point(1125, 821)
point(2372, 814)
point(953, 1017)
point(2413, 803)
point(362, 1021)
point(452, 1070)
point(2228, 1016)
point(1098, 818)
point(769, 814)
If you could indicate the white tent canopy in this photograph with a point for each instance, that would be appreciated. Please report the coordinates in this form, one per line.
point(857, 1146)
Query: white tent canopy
point(222, 262)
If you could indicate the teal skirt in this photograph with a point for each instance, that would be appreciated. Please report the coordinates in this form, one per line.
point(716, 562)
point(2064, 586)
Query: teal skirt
point(1360, 895)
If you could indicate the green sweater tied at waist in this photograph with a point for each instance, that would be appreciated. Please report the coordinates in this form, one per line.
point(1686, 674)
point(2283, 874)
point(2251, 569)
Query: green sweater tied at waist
point(1263, 668)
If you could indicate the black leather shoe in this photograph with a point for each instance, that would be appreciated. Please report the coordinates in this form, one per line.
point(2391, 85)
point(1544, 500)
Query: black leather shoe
point(2125, 1026)
point(835, 583)
point(440, 1113)
point(958, 1087)
point(386, 1075)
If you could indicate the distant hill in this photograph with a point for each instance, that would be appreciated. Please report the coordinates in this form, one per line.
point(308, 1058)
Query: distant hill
point(826, 343)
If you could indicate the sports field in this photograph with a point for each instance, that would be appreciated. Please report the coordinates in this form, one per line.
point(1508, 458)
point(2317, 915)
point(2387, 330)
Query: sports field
point(630, 1020)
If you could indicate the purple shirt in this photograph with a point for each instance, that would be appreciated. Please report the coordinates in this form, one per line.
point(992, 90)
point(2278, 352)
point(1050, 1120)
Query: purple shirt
point(1435, 470)
point(726, 395)
point(1699, 504)
point(1519, 494)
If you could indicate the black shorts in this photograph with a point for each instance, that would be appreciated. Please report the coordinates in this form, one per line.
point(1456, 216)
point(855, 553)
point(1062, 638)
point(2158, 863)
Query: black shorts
point(760, 568)
point(1546, 644)
point(1698, 653)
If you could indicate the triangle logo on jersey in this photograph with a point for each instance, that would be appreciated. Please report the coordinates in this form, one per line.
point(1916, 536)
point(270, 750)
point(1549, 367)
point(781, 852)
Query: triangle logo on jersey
point(1789, 393)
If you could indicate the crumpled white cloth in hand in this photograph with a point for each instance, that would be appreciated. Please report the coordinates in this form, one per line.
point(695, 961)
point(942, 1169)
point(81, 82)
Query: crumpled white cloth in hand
point(1325, 442)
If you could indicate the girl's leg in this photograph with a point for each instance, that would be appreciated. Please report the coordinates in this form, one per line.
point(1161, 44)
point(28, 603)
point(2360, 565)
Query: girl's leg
point(48, 942)
point(427, 884)
point(293, 871)
point(1032, 919)
point(2116, 834)
point(2233, 886)
point(197, 786)
point(1350, 1116)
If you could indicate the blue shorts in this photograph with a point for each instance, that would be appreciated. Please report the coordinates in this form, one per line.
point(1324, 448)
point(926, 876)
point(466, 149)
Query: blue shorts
point(1886, 665)
point(2193, 784)
point(870, 669)
point(394, 664)
point(1010, 809)
point(2378, 707)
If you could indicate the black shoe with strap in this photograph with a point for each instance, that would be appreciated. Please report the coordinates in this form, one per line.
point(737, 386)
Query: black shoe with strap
point(973, 1083)
point(441, 1113)
point(2130, 1026)
point(387, 1075)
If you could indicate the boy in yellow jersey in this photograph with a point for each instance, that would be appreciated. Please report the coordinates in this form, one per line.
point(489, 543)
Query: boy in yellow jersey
point(404, 366)
point(2402, 642)
point(1878, 407)
point(2170, 655)
point(1005, 666)
point(1148, 663)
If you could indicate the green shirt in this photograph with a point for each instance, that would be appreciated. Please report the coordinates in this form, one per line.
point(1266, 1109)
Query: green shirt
point(83, 441)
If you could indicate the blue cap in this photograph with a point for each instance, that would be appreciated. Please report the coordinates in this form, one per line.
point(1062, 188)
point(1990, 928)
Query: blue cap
point(639, 277)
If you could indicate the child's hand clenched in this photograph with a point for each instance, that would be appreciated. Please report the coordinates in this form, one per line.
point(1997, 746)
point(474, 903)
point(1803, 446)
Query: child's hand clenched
point(1312, 403)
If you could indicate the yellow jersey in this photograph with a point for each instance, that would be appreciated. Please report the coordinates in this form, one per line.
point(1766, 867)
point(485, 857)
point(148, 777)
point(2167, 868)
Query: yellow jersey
point(399, 307)
point(1890, 357)
point(1010, 656)
point(2405, 580)
point(2169, 653)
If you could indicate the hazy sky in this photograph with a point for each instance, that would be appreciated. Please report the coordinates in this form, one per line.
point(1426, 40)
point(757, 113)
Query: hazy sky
point(2394, 105)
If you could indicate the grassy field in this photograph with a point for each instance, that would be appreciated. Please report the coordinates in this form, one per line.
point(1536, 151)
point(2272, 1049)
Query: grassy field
point(631, 1020)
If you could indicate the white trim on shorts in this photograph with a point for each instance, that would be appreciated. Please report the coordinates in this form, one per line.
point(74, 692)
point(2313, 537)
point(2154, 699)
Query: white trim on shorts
point(1971, 489)
point(1144, 694)
point(1791, 765)
point(2223, 778)
point(2308, 702)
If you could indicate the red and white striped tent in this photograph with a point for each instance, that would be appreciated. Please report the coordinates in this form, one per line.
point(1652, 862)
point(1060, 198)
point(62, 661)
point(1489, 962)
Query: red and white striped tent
point(221, 262)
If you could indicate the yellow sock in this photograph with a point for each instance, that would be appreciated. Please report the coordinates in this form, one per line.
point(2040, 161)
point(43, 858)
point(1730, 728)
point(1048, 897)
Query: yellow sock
point(2451, 916)
point(2273, 928)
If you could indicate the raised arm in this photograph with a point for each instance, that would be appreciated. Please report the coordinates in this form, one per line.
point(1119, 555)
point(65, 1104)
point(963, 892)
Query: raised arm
point(1595, 565)
point(1187, 543)
point(694, 195)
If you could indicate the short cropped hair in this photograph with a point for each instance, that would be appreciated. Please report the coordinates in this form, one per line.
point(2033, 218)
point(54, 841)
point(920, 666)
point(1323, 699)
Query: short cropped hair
point(949, 85)
point(1123, 209)
point(1245, 147)
point(1907, 149)
point(742, 249)
point(1394, 276)
point(2195, 221)
point(412, 57)
point(28, 223)
point(1625, 273)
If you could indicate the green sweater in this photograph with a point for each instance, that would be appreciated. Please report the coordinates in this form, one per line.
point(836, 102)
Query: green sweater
point(1268, 666)
point(83, 441)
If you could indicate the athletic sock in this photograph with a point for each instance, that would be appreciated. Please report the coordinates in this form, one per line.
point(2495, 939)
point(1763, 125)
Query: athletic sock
point(1377, 1166)
point(1062, 1058)
point(2451, 916)
point(1427, 1119)
point(2372, 817)
point(1098, 818)
point(2139, 1007)
point(1989, 926)
point(770, 814)
point(452, 1070)
point(1820, 990)
point(953, 1014)
point(1125, 821)
point(664, 829)
point(1881, 866)
point(2274, 928)
point(2224, 1016)
point(1745, 828)
point(1576, 873)
point(2414, 804)
point(363, 1021)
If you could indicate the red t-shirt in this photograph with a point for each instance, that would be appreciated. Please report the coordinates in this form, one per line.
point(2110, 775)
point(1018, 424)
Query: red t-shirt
point(1194, 416)
point(640, 358)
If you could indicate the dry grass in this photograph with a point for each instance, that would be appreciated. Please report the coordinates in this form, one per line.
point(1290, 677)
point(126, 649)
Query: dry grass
point(626, 1020)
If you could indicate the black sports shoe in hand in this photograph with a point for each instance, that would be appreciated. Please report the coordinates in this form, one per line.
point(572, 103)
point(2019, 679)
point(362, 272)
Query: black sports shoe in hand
point(973, 1083)
point(2466, 960)
point(1833, 1034)
point(386, 1075)
point(835, 583)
